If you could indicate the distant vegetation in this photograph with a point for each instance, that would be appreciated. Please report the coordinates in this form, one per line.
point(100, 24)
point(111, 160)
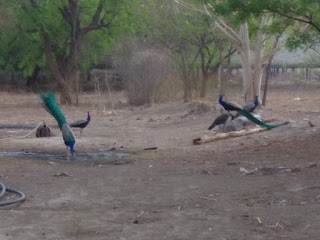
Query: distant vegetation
point(153, 44)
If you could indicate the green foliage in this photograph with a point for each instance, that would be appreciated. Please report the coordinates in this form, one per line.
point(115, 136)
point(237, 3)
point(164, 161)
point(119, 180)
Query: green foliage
point(22, 44)
point(297, 14)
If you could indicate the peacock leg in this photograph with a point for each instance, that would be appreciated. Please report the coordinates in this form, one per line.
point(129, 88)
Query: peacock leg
point(81, 132)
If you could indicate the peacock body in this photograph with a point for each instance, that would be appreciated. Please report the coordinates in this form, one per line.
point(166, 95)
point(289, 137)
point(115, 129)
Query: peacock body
point(222, 119)
point(82, 123)
point(49, 104)
point(250, 107)
point(230, 106)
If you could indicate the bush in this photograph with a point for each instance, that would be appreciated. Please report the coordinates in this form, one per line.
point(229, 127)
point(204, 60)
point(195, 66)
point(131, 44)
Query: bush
point(143, 74)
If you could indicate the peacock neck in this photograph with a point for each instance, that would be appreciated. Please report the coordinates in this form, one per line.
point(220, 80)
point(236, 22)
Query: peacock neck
point(220, 100)
point(71, 148)
point(88, 118)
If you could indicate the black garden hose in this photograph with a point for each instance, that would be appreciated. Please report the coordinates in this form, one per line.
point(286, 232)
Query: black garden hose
point(5, 189)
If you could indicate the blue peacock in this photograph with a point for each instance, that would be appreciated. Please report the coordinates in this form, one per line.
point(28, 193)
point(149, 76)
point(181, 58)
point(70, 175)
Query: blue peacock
point(250, 107)
point(231, 106)
point(49, 104)
point(82, 123)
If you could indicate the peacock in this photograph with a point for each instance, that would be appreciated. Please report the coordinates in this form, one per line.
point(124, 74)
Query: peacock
point(250, 107)
point(222, 119)
point(230, 106)
point(82, 123)
point(49, 104)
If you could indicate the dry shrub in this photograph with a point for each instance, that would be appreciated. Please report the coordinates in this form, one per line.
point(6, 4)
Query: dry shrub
point(171, 88)
point(143, 73)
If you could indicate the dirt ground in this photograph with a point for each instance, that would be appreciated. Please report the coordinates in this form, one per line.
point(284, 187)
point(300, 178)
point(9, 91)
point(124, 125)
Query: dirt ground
point(179, 191)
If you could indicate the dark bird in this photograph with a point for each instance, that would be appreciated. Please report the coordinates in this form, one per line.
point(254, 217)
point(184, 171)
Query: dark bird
point(43, 131)
point(222, 119)
point(49, 104)
point(230, 106)
point(81, 123)
point(250, 107)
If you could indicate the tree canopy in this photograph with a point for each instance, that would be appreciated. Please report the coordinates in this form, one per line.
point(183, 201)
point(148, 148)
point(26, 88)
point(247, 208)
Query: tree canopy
point(64, 36)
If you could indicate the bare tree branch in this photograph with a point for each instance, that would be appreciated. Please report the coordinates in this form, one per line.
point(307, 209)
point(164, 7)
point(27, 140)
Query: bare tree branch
point(190, 7)
point(95, 23)
point(95, 27)
point(224, 25)
point(229, 36)
point(309, 21)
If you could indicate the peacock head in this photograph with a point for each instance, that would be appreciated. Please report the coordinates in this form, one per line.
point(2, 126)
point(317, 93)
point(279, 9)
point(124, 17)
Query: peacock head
point(71, 145)
point(220, 99)
point(88, 118)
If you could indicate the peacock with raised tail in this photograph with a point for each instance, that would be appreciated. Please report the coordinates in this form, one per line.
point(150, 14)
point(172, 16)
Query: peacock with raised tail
point(49, 104)
point(230, 106)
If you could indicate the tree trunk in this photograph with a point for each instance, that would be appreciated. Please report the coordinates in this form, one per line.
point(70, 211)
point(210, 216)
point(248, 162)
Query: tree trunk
point(259, 53)
point(246, 63)
point(186, 75)
point(205, 66)
point(266, 83)
point(31, 79)
point(230, 53)
point(205, 76)
point(65, 92)
point(187, 91)
point(220, 86)
point(62, 78)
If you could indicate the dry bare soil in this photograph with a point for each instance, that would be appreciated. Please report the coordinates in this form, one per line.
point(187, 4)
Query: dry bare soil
point(179, 191)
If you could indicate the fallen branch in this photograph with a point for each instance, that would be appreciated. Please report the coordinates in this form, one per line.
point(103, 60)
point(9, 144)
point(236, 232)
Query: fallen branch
point(22, 125)
point(17, 125)
point(32, 133)
point(221, 136)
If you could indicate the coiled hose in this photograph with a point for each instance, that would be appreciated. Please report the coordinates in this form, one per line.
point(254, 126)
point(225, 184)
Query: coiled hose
point(5, 189)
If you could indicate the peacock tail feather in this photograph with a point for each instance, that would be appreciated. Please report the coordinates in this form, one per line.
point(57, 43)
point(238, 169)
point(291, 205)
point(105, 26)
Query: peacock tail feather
point(257, 121)
point(49, 103)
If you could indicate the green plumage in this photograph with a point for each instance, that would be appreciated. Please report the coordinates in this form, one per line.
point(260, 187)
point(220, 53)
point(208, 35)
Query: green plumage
point(257, 121)
point(49, 103)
